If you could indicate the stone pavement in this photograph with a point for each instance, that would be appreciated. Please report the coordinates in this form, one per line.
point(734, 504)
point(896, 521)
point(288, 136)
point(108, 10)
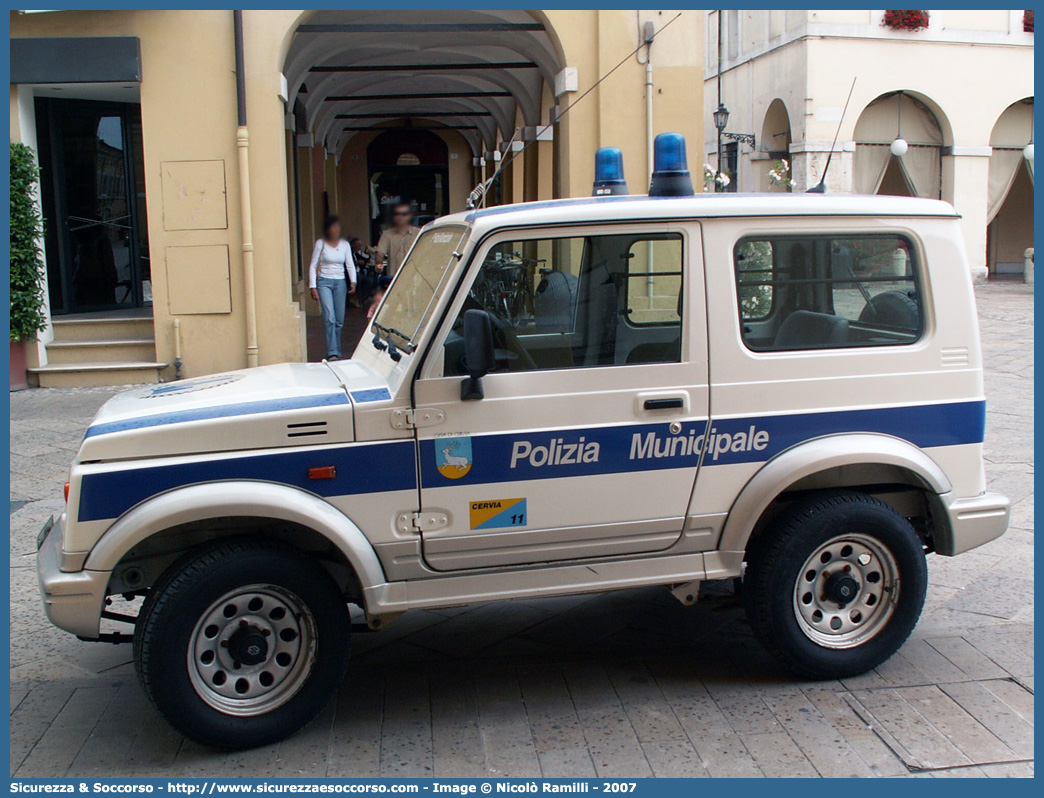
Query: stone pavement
point(616, 685)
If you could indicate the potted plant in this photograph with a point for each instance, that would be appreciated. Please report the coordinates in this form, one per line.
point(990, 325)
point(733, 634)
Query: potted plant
point(905, 20)
point(779, 174)
point(1027, 21)
point(27, 267)
point(713, 180)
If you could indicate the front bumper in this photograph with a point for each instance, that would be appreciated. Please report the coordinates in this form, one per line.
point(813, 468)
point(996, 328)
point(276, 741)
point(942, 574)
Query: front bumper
point(973, 521)
point(72, 601)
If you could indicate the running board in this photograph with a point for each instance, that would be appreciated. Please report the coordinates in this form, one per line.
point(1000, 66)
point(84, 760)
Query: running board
point(394, 598)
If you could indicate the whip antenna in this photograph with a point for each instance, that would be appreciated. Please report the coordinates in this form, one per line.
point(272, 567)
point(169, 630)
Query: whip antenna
point(478, 194)
point(820, 187)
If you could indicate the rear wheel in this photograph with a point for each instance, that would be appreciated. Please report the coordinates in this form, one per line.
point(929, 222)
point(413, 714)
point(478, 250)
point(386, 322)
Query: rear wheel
point(243, 643)
point(834, 586)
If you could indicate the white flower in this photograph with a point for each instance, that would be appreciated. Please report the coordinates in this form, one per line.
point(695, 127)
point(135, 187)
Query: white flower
point(710, 177)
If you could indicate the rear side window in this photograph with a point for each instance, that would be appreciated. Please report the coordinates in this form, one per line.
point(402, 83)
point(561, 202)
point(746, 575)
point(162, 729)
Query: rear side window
point(827, 291)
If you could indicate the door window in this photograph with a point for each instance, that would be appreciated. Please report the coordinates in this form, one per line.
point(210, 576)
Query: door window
point(578, 301)
point(94, 205)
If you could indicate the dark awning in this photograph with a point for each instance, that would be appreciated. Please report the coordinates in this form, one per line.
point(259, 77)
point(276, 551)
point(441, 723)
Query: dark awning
point(93, 59)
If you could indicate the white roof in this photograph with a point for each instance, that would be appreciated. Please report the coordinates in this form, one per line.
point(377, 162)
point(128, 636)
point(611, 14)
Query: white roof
point(621, 208)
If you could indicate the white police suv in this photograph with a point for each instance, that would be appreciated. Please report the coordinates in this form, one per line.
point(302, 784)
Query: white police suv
point(557, 397)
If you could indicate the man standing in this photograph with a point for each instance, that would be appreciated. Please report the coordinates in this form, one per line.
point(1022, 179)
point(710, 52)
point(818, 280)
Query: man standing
point(396, 240)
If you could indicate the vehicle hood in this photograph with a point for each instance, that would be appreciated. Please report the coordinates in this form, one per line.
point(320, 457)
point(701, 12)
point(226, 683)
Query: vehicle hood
point(292, 404)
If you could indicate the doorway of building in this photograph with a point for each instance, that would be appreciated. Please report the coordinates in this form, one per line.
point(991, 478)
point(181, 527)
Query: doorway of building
point(1010, 233)
point(407, 165)
point(93, 197)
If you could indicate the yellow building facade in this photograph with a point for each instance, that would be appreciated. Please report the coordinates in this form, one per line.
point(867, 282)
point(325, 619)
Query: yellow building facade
point(183, 190)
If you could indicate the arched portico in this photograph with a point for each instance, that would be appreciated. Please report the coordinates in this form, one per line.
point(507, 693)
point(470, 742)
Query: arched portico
point(776, 137)
point(1010, 204)
point(363, 84)
point(917, 171)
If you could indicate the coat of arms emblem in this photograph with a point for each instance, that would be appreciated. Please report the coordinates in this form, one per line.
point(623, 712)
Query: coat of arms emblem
point(453, 457)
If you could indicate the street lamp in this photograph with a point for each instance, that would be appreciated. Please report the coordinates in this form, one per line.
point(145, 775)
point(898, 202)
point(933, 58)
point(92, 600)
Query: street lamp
point(721, 119)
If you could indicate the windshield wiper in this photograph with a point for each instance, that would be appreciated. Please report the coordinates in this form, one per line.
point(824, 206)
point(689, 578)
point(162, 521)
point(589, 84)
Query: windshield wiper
point(393, 351)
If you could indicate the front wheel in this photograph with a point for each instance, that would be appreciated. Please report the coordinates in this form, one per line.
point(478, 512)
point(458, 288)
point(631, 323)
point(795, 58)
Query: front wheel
point(242, 644)
point(835, 585)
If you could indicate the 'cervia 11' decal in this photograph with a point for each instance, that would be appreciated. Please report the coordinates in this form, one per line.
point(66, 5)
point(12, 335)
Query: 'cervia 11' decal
point(498, 513)
point(453, 457)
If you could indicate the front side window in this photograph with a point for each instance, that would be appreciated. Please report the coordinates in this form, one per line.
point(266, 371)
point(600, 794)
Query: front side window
point(827, 291)
point(578, 301)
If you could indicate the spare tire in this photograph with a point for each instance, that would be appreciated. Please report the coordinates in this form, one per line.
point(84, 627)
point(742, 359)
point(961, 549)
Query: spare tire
point(896, 309)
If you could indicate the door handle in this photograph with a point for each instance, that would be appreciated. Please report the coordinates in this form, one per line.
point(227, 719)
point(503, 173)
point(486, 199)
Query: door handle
point(675, 403)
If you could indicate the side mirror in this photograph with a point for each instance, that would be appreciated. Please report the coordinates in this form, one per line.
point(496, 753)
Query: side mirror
point(479, 353)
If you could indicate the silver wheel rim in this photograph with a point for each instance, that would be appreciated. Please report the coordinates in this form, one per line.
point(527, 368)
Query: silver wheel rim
point(252, 650)
point(847, 591)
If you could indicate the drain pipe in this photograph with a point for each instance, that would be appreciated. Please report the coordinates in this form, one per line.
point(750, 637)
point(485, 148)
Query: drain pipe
point(649, 35)
point(243, 146)
point(177, 349)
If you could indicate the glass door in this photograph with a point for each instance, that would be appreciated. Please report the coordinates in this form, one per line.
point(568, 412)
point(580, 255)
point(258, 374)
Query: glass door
point(94, 204)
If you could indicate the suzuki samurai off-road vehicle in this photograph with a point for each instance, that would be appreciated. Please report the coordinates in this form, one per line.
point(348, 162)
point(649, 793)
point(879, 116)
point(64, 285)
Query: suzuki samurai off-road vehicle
point(553, 398)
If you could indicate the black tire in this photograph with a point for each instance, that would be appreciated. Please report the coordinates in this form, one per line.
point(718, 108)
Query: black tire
point(777, 560)
point(189, 590)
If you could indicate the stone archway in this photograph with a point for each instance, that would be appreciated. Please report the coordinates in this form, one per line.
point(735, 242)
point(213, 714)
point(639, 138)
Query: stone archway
point(471, 82)
point(918, 172)
point(1009, 217)
point(775, 142)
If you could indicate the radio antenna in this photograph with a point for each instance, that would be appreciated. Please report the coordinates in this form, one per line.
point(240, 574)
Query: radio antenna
point(477, 197)
point(820, 187)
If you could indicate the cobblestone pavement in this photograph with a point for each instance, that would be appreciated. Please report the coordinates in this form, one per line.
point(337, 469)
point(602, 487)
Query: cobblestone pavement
point(623, 684)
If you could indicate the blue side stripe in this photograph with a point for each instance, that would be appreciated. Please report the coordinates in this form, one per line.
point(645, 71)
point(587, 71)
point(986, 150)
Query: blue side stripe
point(371, 395)
point(220, 411)
point(361, 468)
point(391, 466)
point(924, 426)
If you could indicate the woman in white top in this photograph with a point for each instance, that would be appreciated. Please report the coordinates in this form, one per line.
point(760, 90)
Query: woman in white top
point(331, 276)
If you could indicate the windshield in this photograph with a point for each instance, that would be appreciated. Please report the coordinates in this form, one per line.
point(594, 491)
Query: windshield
point(419, 284)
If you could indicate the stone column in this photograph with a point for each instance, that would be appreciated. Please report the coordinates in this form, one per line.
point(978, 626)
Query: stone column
point(808, 159)
point(966, 186)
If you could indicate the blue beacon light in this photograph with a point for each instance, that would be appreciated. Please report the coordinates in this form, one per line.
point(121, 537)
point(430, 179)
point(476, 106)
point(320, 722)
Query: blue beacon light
point(670, 177)
point(609, 173)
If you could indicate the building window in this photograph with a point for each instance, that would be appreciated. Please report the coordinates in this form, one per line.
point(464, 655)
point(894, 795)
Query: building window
point(827, 292)
point(733, 33)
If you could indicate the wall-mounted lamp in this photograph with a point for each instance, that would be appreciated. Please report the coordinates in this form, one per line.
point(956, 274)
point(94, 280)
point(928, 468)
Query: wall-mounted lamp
point(899, 146)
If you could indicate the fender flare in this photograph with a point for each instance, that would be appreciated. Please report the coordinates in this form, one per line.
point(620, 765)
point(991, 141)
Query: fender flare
point(812, 457)
point(245, 499)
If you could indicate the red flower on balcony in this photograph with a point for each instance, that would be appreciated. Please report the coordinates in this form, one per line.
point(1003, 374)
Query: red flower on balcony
point(1027, 21)
point(906, 20)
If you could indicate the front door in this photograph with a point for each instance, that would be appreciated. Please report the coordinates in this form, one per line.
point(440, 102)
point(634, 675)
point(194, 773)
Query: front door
point(93, 195)
point(586, 441)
